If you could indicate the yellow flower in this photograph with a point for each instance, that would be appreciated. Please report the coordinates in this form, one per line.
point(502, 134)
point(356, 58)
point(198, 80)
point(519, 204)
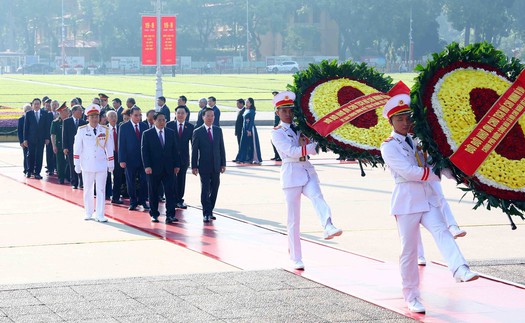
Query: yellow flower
point(324, 100)
point(453, 106)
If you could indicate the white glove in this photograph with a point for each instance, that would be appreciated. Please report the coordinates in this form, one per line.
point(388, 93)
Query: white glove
point(78, 170)
point(447, 172)
point(111, 169)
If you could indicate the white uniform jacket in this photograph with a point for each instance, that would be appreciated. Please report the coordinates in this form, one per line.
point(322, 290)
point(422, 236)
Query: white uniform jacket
point(293, 171)
point(412, 192)
point(94, 153)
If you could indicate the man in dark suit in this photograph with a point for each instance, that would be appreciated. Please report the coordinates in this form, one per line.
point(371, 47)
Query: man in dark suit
point(20, 132)
point(208, 158)
point(69, 130)
point(183, 133)
point(202, 107)
point(183, 100)
point(118, 172)
point(130, 159)
point(50, 156)
point(212, 103)
point(161, 102)
point(149, 122)
point(161, 164)
point(36, 136)
point(117, 105)
point(239, 122)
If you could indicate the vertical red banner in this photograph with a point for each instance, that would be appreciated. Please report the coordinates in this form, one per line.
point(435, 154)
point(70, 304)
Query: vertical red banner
point(168, 40)
point(149, 40)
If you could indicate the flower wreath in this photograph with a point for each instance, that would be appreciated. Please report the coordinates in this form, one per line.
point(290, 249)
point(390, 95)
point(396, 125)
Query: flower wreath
point(452, 93)
point(323, 88)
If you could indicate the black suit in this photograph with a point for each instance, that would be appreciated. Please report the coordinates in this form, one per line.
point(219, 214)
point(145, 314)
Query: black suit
point(120, 118)
point(166, 112)
point(162, 160)
point(209, 157)
point(50, 155)
point(20, 131)
point(118, 172)
point(238, 125)
point(69, 130)
point(183, 145)
point(36, 133)
point(129, 152)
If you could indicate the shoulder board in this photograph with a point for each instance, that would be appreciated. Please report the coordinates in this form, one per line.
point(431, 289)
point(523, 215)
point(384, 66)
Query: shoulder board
point(276, 128)
point(82, 126)
point(389, 139)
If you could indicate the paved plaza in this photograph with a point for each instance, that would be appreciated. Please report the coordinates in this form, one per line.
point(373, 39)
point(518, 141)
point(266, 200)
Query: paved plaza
point(56, 267)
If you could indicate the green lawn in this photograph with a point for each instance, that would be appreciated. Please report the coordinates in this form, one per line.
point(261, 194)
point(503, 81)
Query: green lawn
point(16, 90)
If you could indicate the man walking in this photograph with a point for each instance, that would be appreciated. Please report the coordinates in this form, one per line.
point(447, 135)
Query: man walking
point(36, 136)
point(183, 133)
point(94, 158)
point(161, 164)
point(208, 158)
point(298, 177)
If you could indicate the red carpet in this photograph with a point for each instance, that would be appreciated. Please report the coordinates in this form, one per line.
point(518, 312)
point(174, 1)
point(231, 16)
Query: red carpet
point(248, 246)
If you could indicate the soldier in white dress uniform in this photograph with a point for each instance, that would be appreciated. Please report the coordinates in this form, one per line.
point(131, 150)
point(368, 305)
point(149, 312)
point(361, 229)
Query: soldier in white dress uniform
point(94, 158)
point(415, 201)
point(298, 176)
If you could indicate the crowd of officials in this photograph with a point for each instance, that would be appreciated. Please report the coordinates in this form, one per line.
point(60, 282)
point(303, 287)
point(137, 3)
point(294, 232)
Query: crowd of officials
point(146, 167)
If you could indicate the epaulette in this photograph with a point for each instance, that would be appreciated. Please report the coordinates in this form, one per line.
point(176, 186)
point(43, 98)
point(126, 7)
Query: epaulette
point(83, 126)
point(388, 139)
point(278, 127)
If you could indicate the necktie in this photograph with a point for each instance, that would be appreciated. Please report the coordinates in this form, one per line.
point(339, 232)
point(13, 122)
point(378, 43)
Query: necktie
point(161, 139)
point(409, 142)
point(37, 115)
point(115, 139)
point(95, 131)
point(294, 129)
point(76, 123)
point(137, 132)
point(180, 130)
point(210, 135)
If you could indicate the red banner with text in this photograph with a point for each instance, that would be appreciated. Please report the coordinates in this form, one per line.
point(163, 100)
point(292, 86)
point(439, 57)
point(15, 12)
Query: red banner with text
point(168, 40)
point(349, 111)
point(491, 129)
point(149, 40)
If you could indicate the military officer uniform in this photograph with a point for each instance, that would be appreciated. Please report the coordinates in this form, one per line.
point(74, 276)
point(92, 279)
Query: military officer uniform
point(298, 176)
point(414, 202)
point(93, 156)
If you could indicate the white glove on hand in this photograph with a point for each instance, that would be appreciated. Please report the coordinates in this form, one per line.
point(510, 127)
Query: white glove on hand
point(111, 169)
point(78, 170)
point(447, 172)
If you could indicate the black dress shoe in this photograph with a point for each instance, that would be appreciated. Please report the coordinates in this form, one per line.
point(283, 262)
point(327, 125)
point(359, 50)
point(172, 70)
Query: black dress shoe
point(61, 181)
point(213, 217)
point(171, 220)
point(132, 207)
point(278, 159)
point(74, 187)
point(117, 202)
point(181, 206)
point(145, 206)
point(154, 220)
point(206, 219)
point(28, 175)
point(37, 176)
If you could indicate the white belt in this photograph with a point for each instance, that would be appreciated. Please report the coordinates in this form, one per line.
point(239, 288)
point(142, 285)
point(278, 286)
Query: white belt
point(294, 160)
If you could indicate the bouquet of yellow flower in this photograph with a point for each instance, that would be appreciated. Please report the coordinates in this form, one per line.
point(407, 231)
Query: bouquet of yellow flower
point(467, 105)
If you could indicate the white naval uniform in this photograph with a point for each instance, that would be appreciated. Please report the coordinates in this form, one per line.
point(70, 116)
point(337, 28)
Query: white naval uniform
point(94, 155)
point(298, 177)
point(415, 202)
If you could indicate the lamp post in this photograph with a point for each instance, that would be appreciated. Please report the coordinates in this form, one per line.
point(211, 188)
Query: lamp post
point(247, 37)
point(158, 82)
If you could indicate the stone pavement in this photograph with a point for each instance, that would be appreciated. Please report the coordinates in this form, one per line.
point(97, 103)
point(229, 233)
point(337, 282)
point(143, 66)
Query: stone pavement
point(52, 262)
